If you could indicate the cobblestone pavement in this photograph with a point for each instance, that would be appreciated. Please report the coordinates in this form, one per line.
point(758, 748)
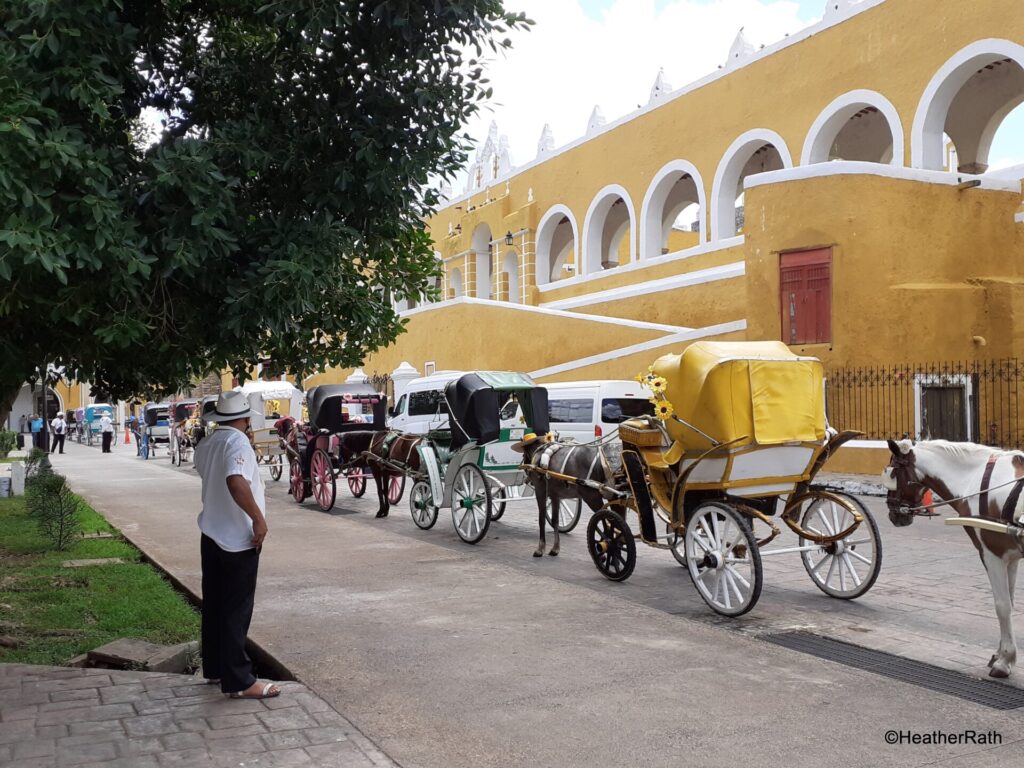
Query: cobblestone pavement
point(54, 716)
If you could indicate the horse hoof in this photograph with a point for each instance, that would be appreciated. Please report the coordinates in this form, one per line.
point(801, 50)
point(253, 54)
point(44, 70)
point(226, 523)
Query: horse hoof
point(999, 671)
point(553, 553)
point(382, 514)
point(539, 553)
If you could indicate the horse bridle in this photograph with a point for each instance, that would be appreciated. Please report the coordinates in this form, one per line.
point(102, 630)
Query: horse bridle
point(904, 473)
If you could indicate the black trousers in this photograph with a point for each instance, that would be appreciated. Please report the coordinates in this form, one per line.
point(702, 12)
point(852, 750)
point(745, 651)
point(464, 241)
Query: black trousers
point(108, 437)
point(229, 590)
point(58, 442)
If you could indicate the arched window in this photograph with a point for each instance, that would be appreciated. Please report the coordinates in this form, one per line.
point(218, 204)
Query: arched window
point(556, 245)
point(481, 245)
point(608, 240)
point(455, 282)
point(673, 211)
point(861, 126)
point(754, 152)
point(968, 100)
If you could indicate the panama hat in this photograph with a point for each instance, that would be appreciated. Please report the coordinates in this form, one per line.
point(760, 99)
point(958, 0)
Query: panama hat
point(230, 406)
point(528, 439)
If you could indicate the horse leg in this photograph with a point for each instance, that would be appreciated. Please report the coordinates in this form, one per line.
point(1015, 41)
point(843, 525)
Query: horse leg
point(998, 576)
point(555, 511)
point(380, 480)
point(1011, 576)
point(541, 491)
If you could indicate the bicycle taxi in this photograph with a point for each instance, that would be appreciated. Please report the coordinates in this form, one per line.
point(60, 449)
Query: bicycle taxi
point(739, 430)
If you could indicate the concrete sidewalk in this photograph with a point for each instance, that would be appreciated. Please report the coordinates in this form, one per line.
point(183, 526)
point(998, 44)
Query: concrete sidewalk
point(55, 717)
point(450, 655)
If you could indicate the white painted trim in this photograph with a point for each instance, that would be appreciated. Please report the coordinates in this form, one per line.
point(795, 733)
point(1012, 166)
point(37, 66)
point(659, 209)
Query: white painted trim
point(640, 324)
point(543, 277)
point(952, 379)
point(675, 338)
point(834, 117)
point(764, 53)
point(481, 246)
point(723, 212)
point(1019, 218)
point(850, 168)
point(651, 212)
point(867, 444)
point(593, 230)
point(927, 149)
point(711, 275)
point(687, 253)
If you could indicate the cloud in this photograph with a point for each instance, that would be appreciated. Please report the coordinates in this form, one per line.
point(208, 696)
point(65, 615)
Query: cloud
point(572, 60)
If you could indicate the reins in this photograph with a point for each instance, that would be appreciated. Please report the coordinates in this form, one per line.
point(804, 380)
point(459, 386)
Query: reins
point(923, 510)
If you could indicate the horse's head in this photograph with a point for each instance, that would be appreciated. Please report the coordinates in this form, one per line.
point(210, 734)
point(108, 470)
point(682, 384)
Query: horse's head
point(904, 483)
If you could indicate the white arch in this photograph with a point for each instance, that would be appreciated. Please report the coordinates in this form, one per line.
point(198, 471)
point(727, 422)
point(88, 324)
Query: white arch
point(926, 144)
point(723, 192)
point(834, 118)
point(510, 264)
point(593, 226)
point(545, 234)
point(481, 245)
point(455, 282)
point(651, 211)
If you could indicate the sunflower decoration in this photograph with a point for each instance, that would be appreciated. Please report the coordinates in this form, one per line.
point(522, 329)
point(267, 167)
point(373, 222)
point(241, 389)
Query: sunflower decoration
point(657, 384)
point(663, 409)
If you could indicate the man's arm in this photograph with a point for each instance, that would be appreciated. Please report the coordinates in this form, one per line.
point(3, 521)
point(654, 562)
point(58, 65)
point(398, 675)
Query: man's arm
point(240, 491)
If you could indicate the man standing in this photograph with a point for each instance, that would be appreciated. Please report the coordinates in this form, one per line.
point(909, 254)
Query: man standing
point(23, 424)
point(107, 430)
point(233, 526)
point(59, 427)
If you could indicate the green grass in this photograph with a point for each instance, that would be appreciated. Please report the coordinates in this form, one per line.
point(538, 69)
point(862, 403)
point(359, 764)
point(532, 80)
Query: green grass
point(55, 613)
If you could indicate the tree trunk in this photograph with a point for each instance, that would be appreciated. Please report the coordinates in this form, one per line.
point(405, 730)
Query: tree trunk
point(7, 398)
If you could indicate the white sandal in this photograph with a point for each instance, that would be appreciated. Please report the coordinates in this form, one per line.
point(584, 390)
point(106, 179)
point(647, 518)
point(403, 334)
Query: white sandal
point(264, 694)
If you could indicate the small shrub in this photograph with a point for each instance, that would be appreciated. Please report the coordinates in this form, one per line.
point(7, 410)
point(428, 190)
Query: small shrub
point(53, 506)
point(32, 464)
point(7, 442)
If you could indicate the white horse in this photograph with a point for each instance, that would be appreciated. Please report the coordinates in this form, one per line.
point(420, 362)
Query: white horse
point(979, 482)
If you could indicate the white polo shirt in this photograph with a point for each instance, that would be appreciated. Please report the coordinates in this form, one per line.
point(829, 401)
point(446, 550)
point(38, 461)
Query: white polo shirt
point(223, 453)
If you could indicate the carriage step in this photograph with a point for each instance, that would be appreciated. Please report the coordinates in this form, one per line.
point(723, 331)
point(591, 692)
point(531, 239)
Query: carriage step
point(988, 693)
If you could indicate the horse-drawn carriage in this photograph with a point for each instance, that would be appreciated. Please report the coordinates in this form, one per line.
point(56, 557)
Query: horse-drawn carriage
point(155, 428)
point(472, 467)
point(740, 427)
point(183, 425)
point(271, 401)
point(93, 417)
point(343, 419)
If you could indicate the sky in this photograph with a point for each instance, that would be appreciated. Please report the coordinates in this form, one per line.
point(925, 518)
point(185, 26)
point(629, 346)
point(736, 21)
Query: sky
point(582, 53)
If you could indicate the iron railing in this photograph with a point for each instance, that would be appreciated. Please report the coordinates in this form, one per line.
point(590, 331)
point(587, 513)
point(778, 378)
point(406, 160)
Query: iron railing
point(977, 401)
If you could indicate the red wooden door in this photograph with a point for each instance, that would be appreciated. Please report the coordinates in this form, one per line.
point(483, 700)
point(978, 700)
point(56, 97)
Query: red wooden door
point(805, 280)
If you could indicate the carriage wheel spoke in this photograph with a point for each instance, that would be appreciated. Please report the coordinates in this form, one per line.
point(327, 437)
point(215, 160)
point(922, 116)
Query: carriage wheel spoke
point(853, 572)
point(859, 556)
point(738, 576)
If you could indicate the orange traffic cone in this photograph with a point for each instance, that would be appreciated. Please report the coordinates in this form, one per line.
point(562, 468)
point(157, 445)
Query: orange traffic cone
point(127, 435)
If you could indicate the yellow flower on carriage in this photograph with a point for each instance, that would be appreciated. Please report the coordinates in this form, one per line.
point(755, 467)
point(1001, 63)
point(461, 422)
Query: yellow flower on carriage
point(657, 384)
point(640, 378)
point(663, 409)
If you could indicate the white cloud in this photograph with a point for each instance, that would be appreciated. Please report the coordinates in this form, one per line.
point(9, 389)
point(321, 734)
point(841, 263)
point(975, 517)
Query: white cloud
point(569, 61)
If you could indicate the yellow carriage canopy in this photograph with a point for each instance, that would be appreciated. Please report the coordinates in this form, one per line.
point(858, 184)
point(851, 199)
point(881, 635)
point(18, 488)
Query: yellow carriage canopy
point(757, 390)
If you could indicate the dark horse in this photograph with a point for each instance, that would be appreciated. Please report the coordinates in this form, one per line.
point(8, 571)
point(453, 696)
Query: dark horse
point(391, 453)
point(585, 462)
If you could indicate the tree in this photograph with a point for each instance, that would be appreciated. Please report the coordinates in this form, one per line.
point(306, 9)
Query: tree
point(274, 213)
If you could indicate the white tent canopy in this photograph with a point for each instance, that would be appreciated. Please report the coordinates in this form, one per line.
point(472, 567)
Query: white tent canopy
point(272, 396)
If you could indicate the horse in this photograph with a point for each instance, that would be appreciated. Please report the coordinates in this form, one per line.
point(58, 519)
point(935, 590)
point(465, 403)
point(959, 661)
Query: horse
point(585, 462)
point(390, 453)
point(976, 481)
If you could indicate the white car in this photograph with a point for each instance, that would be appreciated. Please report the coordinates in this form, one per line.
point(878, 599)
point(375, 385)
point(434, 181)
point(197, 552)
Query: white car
point(588, 410)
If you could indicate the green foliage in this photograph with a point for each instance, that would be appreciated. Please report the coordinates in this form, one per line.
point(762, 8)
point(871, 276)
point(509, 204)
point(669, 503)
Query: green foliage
point(8, 440)
point(279, 206)
point(32, 464)
point(55, 613)
point(53, 506)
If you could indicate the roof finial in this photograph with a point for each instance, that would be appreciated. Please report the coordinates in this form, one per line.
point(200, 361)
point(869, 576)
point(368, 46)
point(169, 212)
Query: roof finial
point(661, 86)
point(596, 121)
point(547, 141)
point(741, 49)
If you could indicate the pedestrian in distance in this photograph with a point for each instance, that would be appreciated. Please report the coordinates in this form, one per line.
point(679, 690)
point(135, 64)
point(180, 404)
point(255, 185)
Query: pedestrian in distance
point(233, 526)
point(60, 428)
point(36, 425)
point(107, 430)
point(23, 423)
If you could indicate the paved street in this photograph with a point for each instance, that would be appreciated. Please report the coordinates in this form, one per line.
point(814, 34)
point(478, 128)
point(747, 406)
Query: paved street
point(449, 655)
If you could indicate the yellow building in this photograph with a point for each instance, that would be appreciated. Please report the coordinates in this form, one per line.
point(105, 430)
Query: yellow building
point(801, 192)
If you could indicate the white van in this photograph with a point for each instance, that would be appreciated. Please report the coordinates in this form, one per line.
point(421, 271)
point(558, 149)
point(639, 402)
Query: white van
point(588, 410)
point(422, 407)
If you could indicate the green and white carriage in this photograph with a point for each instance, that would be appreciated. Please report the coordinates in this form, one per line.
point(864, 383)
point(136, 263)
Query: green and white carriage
point(471, 467)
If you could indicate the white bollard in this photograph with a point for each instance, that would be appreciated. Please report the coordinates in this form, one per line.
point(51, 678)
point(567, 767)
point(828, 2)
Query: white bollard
point(17, 479)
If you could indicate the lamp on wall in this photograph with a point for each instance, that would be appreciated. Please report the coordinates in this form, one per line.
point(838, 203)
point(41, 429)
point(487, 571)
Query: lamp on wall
point(508, 238)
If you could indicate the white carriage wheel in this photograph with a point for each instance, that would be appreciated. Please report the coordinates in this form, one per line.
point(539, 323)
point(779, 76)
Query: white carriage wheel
point(723, 559)
point(848, 568)
point(500, 494)
point(421, 505)
point(471, 504)
point(569, 513)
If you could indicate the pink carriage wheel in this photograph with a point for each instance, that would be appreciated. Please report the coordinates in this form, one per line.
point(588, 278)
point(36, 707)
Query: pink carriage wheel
point(356, 482)
point(321, 475)
point(296, 485)
point(396, 487)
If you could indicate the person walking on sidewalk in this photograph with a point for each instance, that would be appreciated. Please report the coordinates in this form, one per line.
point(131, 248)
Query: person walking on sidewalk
point(60, 428)
point(107, 430)
point(233, 526)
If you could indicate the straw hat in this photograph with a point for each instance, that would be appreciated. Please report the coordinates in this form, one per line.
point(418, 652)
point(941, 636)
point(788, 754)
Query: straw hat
point(528, 439)
point(230, 406)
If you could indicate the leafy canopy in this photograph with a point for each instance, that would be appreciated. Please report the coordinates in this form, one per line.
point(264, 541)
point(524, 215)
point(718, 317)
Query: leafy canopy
point(279, 205)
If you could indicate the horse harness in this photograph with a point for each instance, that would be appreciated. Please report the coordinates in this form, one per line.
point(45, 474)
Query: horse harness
point(1008, 512)
point(543, 458)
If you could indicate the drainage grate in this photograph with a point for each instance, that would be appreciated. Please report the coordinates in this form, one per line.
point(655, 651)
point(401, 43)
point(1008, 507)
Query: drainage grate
point(985, 692)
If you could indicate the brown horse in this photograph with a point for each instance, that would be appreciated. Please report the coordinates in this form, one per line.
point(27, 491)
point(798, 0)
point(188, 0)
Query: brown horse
point(978, 482)
point(392, 453)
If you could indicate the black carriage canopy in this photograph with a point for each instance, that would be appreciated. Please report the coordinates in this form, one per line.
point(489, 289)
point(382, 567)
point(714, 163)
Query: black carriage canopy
point(183, 409)
point(475, 400)
point(326, 404)
point(154, 412)
point(207, 406)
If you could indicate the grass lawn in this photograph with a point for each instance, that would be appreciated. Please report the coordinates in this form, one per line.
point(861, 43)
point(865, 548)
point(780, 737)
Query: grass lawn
point(55, 613)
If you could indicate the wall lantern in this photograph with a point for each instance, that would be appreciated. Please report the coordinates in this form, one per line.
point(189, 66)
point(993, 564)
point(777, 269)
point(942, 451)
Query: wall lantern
point(508, 238)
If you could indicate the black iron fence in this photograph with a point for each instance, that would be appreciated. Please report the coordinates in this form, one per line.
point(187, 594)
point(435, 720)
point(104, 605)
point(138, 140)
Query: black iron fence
point(963, 401)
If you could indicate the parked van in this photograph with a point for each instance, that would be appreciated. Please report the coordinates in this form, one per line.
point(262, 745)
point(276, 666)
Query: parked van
point(422, 407)
point(587, 410)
